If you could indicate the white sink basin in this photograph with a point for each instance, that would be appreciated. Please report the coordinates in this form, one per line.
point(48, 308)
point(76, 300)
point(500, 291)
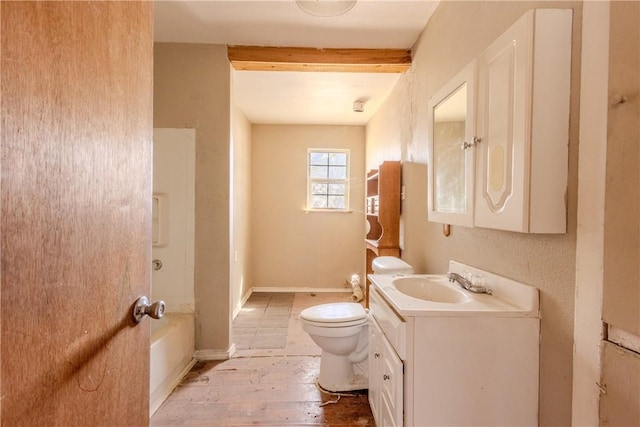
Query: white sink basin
point(439, 290)
point(434, 295)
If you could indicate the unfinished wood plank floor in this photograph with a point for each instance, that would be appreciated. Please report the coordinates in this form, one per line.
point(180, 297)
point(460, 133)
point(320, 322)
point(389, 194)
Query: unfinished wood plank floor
point(265, 383)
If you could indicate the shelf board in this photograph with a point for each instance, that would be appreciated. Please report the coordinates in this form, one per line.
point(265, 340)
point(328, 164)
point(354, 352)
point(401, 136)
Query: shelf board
point(372, 242)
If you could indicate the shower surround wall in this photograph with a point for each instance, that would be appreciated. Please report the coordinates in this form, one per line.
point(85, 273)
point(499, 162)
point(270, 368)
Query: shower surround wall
point(173, 188)
point(192, 90)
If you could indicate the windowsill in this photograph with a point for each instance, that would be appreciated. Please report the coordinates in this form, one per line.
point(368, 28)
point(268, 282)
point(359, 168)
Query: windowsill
point(333, 211)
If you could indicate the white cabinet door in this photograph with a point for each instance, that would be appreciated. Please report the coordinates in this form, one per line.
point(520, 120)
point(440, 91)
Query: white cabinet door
point(392, 383)
point(375, 369)
point(387, 418)
point(523, 123)
point(386, 381)
point(451, 155)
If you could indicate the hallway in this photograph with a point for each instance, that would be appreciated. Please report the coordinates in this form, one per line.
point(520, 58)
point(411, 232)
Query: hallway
point(270, 381)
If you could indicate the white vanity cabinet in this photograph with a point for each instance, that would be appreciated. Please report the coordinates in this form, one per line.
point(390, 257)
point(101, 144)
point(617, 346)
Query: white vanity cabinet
point(524, 80)
point(467, 362)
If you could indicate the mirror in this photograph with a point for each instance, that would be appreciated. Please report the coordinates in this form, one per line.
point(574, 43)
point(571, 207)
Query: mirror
point(448, 136)
point(451, 171)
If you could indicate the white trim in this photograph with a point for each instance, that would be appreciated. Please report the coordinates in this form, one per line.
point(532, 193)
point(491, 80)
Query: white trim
point(159, 396)
point(215, 354)
point(341, 211)
point(243, 300)
point(298, 289)
point(623, 338)
point(347, 181)
point(587, 331)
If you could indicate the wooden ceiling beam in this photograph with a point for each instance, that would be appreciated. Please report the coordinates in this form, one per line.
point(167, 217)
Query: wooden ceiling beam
point(256, 58)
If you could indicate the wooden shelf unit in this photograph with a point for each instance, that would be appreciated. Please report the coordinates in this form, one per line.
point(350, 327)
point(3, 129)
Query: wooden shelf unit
point(383, 214)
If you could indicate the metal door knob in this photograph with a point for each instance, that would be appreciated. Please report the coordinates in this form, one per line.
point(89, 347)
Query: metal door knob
point(144, 308)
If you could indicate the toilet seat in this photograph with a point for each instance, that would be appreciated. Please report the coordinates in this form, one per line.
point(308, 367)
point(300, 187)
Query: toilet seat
point(335, 315)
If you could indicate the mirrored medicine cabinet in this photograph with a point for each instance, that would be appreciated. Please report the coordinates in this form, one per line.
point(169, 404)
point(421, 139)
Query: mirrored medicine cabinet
point(499, 132)
point(451, 125)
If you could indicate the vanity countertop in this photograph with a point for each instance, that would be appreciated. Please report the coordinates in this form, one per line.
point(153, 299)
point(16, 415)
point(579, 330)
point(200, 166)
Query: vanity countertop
point(508, 299)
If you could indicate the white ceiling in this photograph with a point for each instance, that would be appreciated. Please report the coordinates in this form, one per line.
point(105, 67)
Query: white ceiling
point(297, 97)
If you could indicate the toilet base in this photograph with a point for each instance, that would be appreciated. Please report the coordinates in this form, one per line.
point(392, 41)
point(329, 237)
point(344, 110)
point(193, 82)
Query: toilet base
point(338, 373)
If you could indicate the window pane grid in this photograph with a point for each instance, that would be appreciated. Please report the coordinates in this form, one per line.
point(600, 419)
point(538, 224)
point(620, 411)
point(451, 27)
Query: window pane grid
point(328, 172)
point(327, 202)
point(337, 172)
point(335, 189)
point(328, 179)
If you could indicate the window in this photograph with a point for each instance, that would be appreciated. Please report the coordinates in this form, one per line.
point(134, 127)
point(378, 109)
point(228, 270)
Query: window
point(328, 179)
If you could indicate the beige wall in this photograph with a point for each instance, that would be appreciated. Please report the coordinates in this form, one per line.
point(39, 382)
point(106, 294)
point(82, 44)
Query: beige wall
point(291, 248)
point(240, 208)
point(458, 32)
point(192, 90)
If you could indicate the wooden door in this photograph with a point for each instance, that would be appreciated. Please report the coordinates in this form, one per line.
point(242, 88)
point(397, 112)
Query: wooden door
point(76, 81)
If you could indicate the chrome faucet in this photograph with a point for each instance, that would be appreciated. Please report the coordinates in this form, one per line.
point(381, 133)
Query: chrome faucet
point(467, 284)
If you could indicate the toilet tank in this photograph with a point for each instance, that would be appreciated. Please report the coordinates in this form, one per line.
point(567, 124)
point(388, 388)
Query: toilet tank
point(390, 265)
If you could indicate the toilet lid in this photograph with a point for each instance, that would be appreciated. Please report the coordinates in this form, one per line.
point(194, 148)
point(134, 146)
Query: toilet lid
point(334, 312)
point(390, 265)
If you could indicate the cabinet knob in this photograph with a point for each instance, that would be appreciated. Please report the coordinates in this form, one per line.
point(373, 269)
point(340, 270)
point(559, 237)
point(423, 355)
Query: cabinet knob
point(386, 377)
point(376, 355)
point(475, 141)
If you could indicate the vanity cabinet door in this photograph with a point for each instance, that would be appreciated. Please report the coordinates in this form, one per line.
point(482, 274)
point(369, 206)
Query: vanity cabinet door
point(386, 379)
point(392, 385)
point(387, 418)
point(375, 369)
point(523, 124)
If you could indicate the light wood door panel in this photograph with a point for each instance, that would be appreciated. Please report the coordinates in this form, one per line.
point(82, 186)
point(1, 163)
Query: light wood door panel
point(620, 401)
point(76, 80)
point(620, 405)
point(621, 292)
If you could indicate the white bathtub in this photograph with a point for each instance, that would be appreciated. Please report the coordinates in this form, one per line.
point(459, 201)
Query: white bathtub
point(172, 345)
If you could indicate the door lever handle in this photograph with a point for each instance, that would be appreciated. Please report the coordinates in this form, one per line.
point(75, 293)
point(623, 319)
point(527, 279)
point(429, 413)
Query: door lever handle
point(143, 308)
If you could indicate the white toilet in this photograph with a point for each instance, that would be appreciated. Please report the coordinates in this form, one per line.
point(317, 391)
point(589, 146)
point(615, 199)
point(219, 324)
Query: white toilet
point(390, 265)
point(340, 330)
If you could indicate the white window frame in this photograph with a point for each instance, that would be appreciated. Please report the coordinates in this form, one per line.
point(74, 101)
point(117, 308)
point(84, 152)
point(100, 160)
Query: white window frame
point(346, 181)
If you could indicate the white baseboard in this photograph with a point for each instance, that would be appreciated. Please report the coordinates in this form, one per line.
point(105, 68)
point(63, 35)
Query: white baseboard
point(240, 304)
point(300, 290)
point(159, 396)
point(215, 354)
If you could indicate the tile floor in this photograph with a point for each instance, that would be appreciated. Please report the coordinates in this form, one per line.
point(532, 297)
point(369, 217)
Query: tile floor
point(263, 322)
point(270, 381)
